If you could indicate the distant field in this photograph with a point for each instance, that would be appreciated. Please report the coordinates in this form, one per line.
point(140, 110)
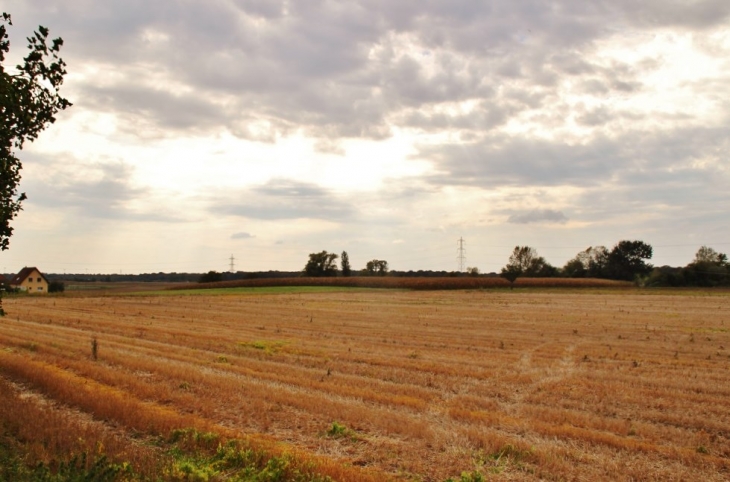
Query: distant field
point(380, 384)
point(414, 283)
point(239, 290)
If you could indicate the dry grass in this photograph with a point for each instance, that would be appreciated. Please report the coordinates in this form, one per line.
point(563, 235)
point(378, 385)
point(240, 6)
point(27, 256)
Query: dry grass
point(598, 385)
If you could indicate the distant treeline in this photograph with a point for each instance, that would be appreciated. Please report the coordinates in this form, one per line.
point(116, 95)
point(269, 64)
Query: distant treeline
point(626, 261)
point(224, 276)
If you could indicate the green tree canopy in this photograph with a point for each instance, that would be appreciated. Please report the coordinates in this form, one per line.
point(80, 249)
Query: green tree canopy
point(524, 261)
point(708, 255)
point(376, 267)
point(626, 260)
point(346, 269)
point(29, 101)
point(321, 264)
point(211, 277)
point(590, 263)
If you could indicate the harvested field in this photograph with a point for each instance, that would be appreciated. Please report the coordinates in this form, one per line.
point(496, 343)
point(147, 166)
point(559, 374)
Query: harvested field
point(616, 384)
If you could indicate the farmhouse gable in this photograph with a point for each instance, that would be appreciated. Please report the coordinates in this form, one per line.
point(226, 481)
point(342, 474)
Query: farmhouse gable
point(30, 280)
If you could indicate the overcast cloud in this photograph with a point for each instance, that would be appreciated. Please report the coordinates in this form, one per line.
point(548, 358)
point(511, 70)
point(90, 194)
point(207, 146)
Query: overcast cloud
point(273, 129)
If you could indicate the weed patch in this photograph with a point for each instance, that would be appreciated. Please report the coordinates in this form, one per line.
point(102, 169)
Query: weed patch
point(269, 347)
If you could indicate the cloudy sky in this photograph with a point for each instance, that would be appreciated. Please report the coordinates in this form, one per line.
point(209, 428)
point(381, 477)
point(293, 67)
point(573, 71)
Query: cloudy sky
point(268, 130)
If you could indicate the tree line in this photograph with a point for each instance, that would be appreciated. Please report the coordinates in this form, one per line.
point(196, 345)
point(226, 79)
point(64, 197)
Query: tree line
point(325, 264)
point(626, 261)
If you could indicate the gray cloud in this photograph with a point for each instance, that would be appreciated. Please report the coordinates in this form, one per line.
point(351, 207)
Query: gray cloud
point(242, 235)
point(335, 69)
point(524, 161)
point(283, 199)
point(538, 216)
point(105, 196)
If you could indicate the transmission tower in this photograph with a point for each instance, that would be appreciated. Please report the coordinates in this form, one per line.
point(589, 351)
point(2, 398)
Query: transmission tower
point(233, 265)
point(462, 254)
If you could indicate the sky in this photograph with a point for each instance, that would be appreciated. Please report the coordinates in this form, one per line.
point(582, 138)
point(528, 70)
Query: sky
point(266, 130)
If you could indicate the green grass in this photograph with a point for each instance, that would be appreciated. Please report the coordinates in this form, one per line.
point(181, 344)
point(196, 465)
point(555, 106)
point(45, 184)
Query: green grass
point(189, 455)
point(267, 290)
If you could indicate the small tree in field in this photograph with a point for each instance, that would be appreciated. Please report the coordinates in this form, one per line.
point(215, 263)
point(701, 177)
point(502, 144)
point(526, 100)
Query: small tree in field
point(510, 273)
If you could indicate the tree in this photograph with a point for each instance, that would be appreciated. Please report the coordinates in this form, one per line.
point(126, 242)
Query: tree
point(709, 268)
point(29, 101)
point(472, 271)
point(589, 263)
point(525, 261)
point(574, 268)
point(626, 260)
point(211, 277)
point(345, 264)
point(321, 264)
point(708, 255)
point(597, 261)
point(510, 273)
point(376, 267)
point(56, 287)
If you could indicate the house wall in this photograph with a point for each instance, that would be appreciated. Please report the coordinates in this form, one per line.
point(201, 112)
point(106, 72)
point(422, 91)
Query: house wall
point(34, 283)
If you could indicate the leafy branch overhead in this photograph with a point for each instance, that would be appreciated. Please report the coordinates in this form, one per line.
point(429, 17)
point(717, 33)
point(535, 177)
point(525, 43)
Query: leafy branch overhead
point(29, 102)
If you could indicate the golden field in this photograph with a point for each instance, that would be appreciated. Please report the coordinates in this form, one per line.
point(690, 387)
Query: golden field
point(530, 384)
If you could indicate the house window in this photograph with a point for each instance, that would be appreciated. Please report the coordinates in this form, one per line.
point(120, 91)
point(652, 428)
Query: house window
point(40, 288)
point(39, 280)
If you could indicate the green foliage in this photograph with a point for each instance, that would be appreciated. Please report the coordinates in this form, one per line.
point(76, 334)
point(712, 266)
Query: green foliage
point(56, 287)
point(468, 477)
point(574, 269)
point(590, 263)
point(78, 469)
point(191, 455)
point(321, 264)
point(626, 260)
point(708, 269)
point(346, 269)
point(377, 267)
point(202, 457)
point(337, 430)
point(270, 347)
point(524, 261)
point(30, 101)
point(708, 255)
point(211, 277)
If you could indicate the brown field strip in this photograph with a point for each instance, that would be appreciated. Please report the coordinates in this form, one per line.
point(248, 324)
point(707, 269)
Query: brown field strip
point(527, 384)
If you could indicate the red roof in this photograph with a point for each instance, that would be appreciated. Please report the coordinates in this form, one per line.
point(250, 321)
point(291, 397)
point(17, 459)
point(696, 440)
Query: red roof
point(23, 275)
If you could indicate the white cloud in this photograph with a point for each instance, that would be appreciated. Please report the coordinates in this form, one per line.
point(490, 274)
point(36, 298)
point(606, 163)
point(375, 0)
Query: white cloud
point(359, 123)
